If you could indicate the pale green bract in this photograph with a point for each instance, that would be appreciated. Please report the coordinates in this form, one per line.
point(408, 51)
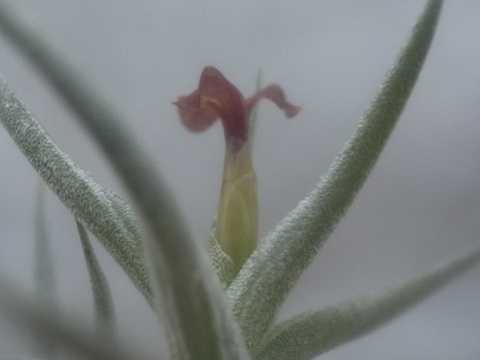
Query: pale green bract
point(221, 261)
point(173, 273)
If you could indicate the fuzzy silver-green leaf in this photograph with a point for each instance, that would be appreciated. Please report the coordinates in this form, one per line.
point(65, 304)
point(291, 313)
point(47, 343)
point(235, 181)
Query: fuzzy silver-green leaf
point(266, 278)
point(196, 314)
point(222, 263)
point(312, 333)
point(88, 201)
point(186, 294)
point(104, 309)
point(104, 213)
point(192, 303)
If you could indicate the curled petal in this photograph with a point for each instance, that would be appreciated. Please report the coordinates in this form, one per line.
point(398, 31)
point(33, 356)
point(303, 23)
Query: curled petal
point(215, 98)
point(275, 94)
point(219, 94)
point(193, 116)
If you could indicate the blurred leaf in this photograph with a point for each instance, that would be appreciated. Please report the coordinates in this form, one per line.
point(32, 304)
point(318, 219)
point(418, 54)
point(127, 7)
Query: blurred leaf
point(198, 321)
point(43, 275)
point(104, 214)
point(312, 333)
point(198, 318)
point(221, 262)
point(199, 324)
point(104, 309)
point(72, 335)
point(266, 278)
point(21, 358)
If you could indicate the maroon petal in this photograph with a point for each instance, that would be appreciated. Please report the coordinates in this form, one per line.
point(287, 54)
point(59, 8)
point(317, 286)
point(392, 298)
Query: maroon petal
point(193, 116)
point(275, 94)
point(215, 98)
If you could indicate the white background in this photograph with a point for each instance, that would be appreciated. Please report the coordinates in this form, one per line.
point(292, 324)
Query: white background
point(420, 207)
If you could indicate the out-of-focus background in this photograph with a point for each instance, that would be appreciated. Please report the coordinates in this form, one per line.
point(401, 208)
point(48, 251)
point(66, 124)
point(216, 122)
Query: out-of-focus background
point(420, 207)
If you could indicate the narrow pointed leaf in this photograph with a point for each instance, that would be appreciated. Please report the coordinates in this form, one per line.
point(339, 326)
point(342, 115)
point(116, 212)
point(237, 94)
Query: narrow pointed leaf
point(72, 335)
point(198, 320)
point(199, 324)
point(312, 333)
point(197, 315)
point(104, 309)
point(104, 214)
point(221, 262)
point(270, 273)
point(44, 279)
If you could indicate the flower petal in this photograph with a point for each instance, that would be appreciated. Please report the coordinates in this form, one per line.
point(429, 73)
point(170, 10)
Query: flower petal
point(193, 116)
point(221, 95)
point(275, 94)
point(215, 97)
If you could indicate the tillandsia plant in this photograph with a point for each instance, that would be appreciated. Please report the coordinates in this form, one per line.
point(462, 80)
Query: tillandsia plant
point(150, 241)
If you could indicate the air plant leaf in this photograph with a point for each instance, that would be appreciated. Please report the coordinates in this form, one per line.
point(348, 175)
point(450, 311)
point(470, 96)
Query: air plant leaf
point(103, 213)
point(221, 262)
point(197, 316)
point(44, 278)
point(312, 333)
point(198, 319)
point(104, 309)
point(272, 270)
point(71, 335)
